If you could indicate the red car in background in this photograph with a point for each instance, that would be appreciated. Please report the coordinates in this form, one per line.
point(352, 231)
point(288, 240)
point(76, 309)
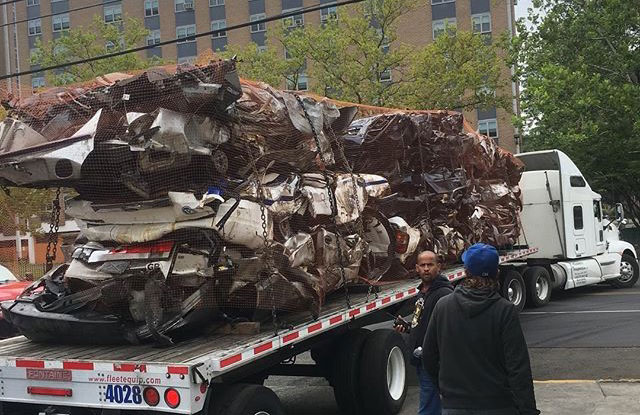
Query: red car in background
point(10, 288)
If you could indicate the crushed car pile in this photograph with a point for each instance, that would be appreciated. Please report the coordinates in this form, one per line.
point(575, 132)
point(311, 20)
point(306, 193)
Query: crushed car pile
point(204, 200)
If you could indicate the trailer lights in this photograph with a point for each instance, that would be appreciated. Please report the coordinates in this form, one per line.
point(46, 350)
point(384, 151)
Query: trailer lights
point(36, 390)
point(172, 398)
point(151, 396)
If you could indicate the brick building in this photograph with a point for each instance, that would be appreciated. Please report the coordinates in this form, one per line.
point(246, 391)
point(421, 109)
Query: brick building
point(168, 19)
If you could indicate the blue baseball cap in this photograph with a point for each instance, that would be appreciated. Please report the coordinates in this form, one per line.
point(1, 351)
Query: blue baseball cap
point(481, 260)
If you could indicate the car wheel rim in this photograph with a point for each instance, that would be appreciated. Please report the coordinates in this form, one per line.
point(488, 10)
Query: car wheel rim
point(626, 272)
point(542, 288)
point(514, 292)
point(396, 373)
point(262, 413)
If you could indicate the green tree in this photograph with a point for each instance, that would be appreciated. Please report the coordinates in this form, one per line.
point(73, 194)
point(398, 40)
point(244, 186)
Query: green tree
point(357, 56)
point(580, 71)
point(459, 70)
point(95, 39)
point(25, 203)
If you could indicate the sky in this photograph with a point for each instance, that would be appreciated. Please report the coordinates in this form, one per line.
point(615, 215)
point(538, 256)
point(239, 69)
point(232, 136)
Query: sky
point(521, 8)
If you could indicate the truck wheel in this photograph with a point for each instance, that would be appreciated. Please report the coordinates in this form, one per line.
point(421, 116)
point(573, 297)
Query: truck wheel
point(346, 371)
point(628, 272)
point(538, 284)
point(245, 399)
point(513, 288)
point(383, 373)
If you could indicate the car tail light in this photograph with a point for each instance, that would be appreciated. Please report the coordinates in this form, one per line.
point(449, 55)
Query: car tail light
point(160, 247)
point(172, 398)
point(151, 396)
point(402, 242)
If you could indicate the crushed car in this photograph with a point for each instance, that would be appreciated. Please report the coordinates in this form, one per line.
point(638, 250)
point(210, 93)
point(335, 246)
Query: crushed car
point(205, 200)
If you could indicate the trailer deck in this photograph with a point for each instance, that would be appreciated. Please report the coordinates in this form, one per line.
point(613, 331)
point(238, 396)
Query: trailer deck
point(85, 372)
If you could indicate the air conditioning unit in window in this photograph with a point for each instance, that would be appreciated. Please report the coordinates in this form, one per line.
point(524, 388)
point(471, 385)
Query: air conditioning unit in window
point(188, 5)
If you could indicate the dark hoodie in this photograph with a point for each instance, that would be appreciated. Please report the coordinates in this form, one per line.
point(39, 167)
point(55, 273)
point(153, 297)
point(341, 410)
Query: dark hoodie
point(475, 348)
point(439, 287)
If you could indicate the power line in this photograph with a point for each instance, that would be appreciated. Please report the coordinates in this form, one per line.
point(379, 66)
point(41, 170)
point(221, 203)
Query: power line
point(172, 41)
point(65, 12)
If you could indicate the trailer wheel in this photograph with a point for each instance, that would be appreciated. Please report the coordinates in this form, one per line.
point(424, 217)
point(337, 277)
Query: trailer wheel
point(383, 373)
point(245, 399)
point(346, 370)
point(538, 284)
point(513, 288)
point(628, 272)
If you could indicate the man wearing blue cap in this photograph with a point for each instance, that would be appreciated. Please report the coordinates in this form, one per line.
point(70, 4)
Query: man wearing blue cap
point(475, 347)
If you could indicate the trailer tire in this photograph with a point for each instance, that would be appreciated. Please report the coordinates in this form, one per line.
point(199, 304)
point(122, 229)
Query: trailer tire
point(246, 399)
point(345, 372)
point(629, 272)
point(383, 373)
point(513, 288)
point(538, 284)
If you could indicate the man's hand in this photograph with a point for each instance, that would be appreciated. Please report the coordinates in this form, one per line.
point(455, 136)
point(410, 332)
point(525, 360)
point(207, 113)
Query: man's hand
point(399, 328)
point(400, 325)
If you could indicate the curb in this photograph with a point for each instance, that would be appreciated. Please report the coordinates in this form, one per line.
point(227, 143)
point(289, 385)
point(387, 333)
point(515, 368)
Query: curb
point(579, 381)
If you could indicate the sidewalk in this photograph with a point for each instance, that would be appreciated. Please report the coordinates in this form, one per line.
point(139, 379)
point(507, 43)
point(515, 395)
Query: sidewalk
point(586, 397)
point(579, 397)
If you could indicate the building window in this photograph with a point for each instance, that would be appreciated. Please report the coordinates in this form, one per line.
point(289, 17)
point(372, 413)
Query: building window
point(385, 76)
point(328, 13)
point(113, 13)
point(488, 127)
point(186, 33)
point(439, 26)
point(183, 5)
point(217, 25)
point(442, 1)
point(481, 23)
point(35, 27)
point(151, 8)
point(61, 22)
point(258, 27)
point(187, 59)
point(297, 20)
point(33, 2)
point(578, 222)
point(216, 3)
point(153, 38)
point(37, 82)
point(300, 84)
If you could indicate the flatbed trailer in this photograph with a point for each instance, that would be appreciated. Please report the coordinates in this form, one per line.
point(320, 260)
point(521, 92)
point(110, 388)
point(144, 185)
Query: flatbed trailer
point(219, 373)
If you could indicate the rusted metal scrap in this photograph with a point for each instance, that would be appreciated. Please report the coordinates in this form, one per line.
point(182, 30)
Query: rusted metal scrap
point(466, 184)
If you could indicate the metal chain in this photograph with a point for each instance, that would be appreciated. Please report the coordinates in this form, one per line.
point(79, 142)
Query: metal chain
point(52, 236)
point(267, 259)
point(359, 221)
point(332, 200)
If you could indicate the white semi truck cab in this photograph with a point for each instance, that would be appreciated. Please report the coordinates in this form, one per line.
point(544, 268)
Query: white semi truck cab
point(563, 218)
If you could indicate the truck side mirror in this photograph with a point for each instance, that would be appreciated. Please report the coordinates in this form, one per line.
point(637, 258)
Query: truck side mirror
point(619, 212)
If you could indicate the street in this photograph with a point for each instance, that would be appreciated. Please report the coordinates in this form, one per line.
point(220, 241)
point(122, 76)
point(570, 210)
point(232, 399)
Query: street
point(586, 334)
